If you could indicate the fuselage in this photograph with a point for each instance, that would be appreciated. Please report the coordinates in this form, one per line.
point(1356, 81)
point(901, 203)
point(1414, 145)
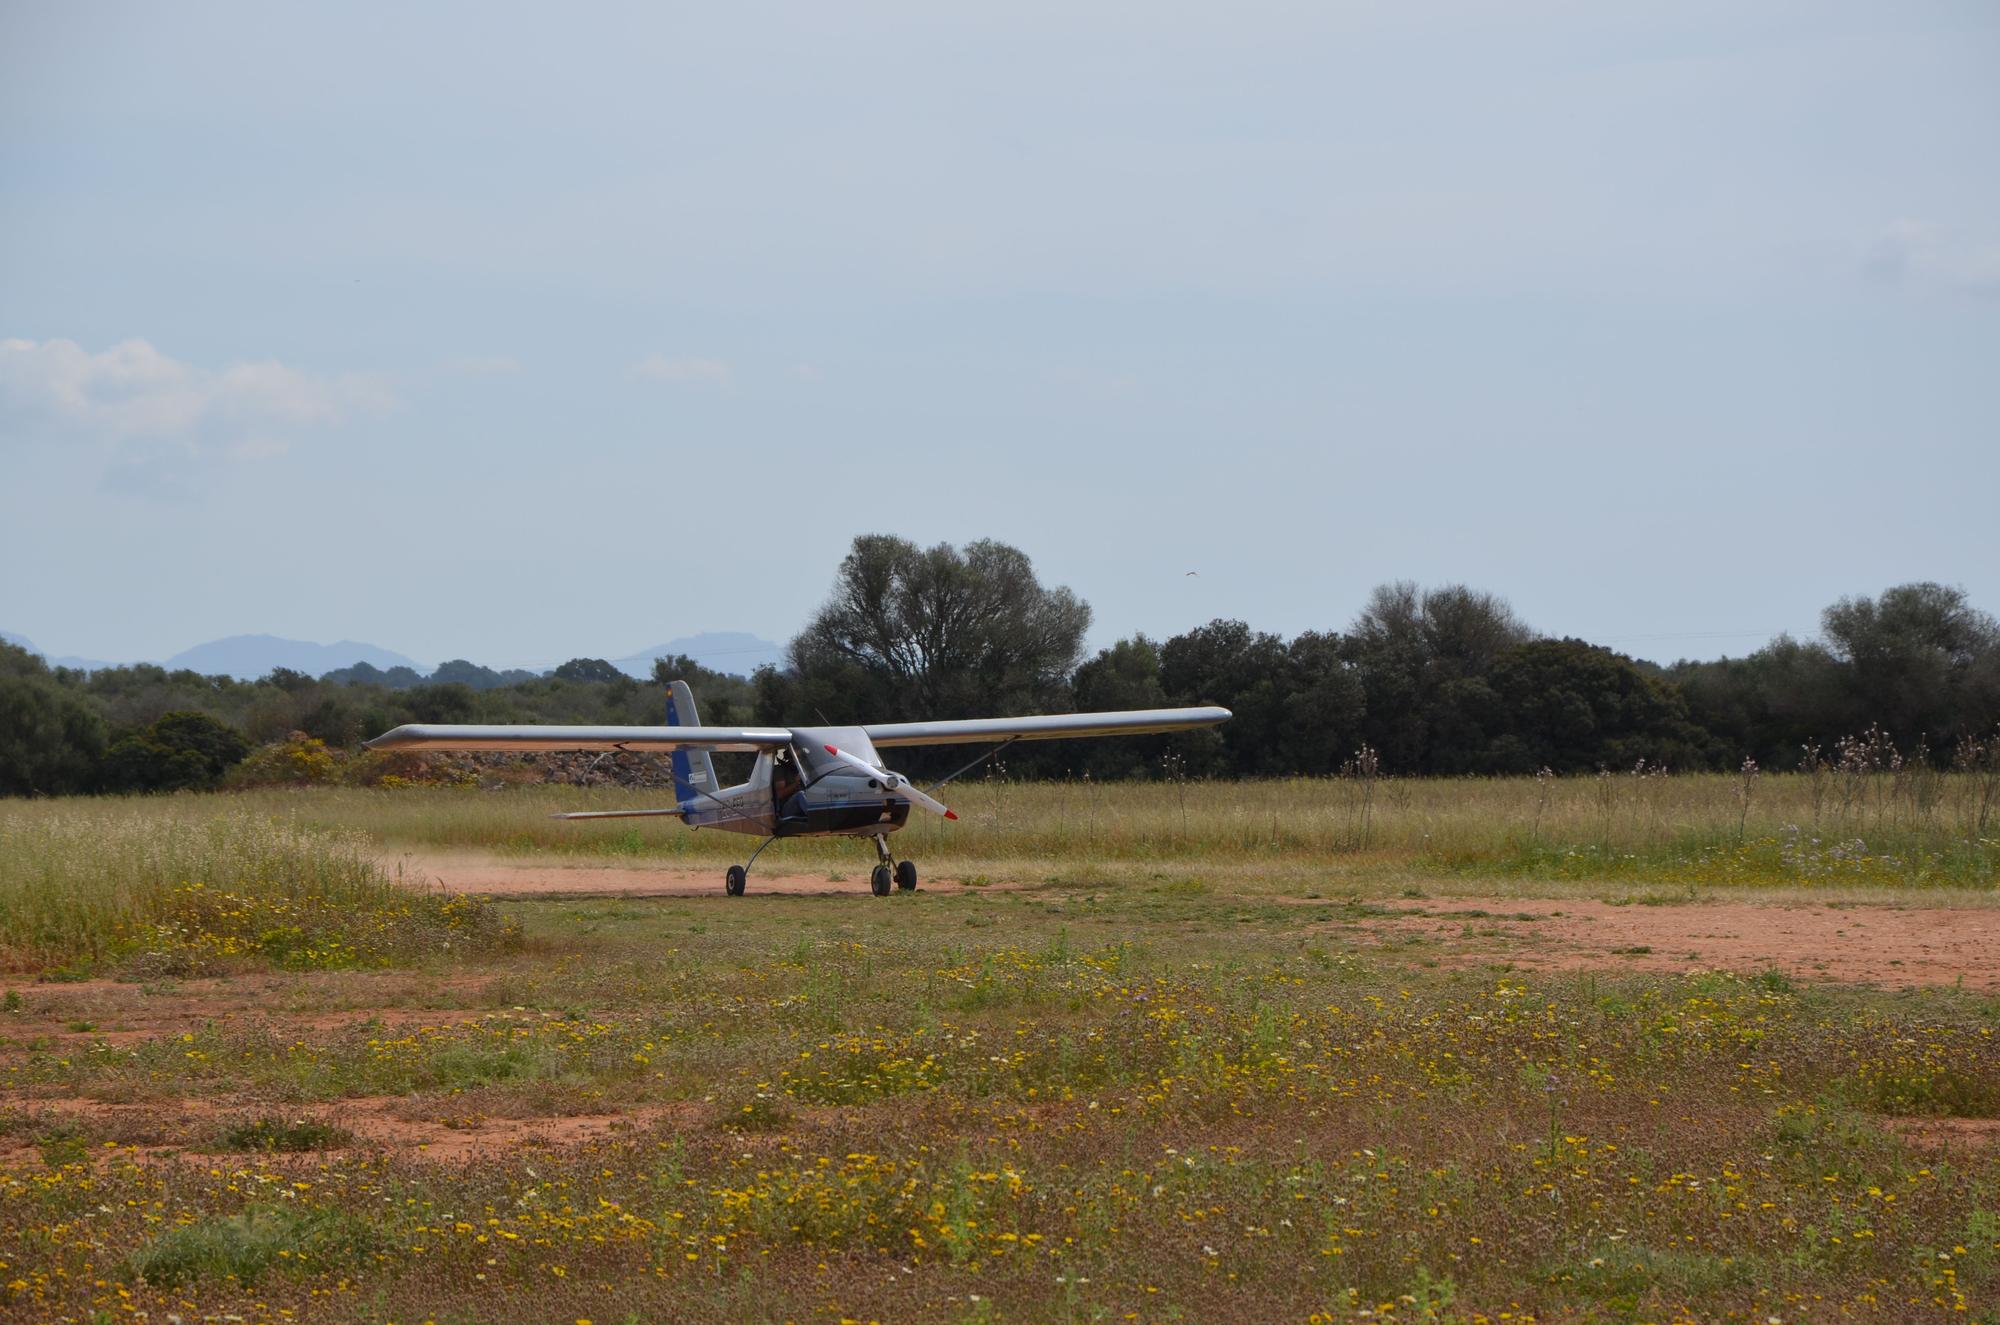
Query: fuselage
point(832, 798)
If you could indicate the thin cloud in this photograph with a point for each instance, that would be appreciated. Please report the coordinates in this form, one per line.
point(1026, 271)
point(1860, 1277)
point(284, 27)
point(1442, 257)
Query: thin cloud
point(684, 371)
point(162, 421)
point(132, 391)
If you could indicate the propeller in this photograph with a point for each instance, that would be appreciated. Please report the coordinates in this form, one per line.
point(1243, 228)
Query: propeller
point(893, 783)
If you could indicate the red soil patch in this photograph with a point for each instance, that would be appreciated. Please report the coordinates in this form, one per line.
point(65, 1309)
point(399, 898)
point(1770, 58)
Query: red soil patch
point(1877, 945)
point(378, 1122)
point(1948, 1133)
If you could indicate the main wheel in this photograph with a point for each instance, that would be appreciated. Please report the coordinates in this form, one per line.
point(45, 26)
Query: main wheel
point(880, 880)
point(906, 875)
point(734, 881)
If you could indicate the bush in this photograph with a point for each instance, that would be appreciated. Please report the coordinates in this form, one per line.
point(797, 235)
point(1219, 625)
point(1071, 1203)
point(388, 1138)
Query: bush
point(298, 761)
point(243, 1247)
point(278, 1134)
point(176, 751)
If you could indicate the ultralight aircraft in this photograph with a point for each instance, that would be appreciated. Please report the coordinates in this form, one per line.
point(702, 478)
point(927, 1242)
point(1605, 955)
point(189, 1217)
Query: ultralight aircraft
point(806, 781)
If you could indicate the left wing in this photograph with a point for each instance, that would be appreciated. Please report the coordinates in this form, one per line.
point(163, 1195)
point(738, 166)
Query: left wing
point(1047, 727)
point(460, 736)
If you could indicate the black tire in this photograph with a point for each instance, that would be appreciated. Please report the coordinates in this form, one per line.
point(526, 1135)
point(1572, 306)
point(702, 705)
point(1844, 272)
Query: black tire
point(735, 881)
point(880, 880)
point(906, 875)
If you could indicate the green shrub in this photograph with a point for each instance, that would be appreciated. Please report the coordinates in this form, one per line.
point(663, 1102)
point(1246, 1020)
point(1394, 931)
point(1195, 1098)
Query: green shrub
point(244, 1247)
point(175, 752)
point(277, 1134)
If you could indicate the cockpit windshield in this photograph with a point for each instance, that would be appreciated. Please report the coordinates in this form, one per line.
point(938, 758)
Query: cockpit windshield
point(816, 762)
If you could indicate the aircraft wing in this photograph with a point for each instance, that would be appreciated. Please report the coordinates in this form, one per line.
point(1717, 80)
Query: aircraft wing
point(460, 736)
point(1047, 727)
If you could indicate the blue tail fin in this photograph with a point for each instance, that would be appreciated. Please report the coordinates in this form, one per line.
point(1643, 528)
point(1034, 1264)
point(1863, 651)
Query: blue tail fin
point(694, 774)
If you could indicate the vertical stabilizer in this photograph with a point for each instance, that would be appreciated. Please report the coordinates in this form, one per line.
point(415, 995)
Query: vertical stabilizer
point(694, 774)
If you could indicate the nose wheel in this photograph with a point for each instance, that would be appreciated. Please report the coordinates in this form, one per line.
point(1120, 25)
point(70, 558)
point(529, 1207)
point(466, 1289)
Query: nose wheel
point(891, 873)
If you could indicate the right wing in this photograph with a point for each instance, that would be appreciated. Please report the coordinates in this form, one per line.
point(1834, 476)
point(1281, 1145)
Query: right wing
point(461, 736)
point(1044, 727)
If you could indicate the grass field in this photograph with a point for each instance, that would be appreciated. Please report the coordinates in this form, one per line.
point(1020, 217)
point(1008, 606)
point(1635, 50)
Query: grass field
point(1153, 1077)
point(1912, 830)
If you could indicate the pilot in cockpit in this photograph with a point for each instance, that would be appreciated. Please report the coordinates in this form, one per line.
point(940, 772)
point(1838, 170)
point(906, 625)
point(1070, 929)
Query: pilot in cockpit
point(788, 790)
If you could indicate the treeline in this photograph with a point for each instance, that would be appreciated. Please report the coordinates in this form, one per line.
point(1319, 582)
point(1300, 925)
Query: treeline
point(1445, 680)
point(133, 728)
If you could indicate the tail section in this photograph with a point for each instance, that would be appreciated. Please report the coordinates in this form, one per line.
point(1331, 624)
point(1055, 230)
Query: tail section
point(694, 774)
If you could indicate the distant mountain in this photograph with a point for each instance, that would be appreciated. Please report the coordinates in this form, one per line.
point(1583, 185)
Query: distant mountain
point(248, 657)
point(81, 664)
point(731, 651)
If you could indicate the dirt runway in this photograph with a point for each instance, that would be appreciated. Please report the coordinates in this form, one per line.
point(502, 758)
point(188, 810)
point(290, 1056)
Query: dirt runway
point(1889, 945)
point(485, 876)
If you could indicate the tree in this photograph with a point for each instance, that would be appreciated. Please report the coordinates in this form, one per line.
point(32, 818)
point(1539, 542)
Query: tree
point(1327, 708)
point(50, 737)
point(1574, 707)
point(288, 679)
point(175, 751)
point(722, 698)
point(1421, 656)
point(1768, 705)
point(367, 674)
point(137, 764)
point(1124, 676)
point(454, 701)
point(939, 633)
point(1246, 671)
point(1919, 659)
point(589, 670)
point(458, 671)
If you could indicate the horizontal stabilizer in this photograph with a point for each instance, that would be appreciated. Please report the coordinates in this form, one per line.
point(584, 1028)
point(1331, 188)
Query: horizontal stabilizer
point(618, 814)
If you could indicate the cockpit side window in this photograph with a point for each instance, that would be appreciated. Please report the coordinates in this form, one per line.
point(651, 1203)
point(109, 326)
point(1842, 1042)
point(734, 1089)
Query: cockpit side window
point(816, 763)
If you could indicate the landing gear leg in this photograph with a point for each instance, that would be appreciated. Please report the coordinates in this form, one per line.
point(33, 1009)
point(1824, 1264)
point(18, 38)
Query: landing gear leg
point(880, 880)
point(737, 877)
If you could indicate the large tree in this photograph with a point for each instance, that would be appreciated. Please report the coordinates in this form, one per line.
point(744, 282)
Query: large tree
point(50, 737)
point(1574, 707)
point(937, 632)
point(1422, 657)
point(1920, 660)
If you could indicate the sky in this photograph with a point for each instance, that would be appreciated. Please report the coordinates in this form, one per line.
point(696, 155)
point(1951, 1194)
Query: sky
point(519, 333)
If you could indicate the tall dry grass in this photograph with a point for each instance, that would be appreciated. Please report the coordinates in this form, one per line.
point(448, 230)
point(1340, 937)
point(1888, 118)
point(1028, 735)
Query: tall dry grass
point(201, 882)
point(1826, 827)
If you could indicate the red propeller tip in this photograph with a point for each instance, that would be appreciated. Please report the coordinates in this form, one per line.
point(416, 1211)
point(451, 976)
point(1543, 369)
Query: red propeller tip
point(831, 750)
point(949, 815)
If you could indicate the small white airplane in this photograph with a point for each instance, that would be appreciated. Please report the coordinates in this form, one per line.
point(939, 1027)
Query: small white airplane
point(807, 781)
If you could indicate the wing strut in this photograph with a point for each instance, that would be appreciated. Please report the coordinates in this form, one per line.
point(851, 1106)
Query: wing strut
point(952, 777)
